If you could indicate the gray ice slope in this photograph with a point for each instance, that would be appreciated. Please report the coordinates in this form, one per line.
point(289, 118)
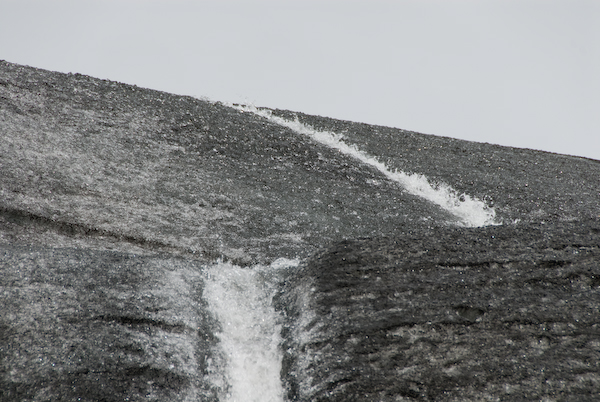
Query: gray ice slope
point(113, 198)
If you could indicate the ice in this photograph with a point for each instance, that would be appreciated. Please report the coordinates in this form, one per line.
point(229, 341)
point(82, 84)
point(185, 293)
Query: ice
point(471, 211)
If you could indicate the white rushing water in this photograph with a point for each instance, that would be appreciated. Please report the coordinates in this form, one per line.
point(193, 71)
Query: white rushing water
point(471, 211)
point(241, 300)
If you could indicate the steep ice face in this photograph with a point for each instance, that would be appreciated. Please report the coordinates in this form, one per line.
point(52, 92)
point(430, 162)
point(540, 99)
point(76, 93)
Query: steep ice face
point(249, 339)
point(471, 211)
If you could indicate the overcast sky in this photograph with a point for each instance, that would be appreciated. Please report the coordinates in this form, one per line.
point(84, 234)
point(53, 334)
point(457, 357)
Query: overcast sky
point(522, 73)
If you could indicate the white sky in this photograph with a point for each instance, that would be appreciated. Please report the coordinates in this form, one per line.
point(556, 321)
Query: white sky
point(522, 73)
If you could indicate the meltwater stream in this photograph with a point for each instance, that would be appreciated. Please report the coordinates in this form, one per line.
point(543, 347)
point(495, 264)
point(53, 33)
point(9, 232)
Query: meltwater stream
point(471, 211)
point(240, 298)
